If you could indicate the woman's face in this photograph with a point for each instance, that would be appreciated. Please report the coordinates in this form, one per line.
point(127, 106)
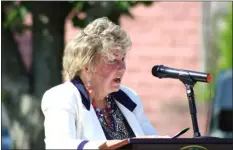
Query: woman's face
point(109, 71)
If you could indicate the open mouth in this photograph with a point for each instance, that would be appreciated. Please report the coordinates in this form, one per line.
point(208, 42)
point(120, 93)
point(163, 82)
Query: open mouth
point(117, 80)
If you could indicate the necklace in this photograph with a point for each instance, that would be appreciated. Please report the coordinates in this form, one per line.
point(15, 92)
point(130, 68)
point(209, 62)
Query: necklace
point(104, 115)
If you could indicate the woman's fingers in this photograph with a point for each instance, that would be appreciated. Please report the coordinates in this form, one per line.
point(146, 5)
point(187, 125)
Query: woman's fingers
point(113, 142)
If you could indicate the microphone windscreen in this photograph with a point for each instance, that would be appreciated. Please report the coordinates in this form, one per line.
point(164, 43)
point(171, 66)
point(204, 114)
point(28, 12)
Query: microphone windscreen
point(155, 70)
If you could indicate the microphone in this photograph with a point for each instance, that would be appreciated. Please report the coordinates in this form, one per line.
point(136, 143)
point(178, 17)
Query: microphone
point(161, 71)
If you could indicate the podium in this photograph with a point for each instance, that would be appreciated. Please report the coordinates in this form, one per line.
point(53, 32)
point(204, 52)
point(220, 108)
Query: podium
point(179, 144)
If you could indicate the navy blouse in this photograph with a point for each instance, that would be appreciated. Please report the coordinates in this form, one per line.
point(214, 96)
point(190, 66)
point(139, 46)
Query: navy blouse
point(121, 129)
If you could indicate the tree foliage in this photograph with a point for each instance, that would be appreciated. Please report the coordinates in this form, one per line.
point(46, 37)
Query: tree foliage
point(225, 42)
point(16, 12)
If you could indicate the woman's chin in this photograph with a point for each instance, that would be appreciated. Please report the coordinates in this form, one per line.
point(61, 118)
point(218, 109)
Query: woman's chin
point(115, 87)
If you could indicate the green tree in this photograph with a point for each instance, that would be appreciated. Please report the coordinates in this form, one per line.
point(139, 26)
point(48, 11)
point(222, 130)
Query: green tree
point(22, 90)
point(220, 52)
point(225, 42)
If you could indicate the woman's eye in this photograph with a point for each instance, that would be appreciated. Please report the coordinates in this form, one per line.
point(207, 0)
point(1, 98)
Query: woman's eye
point(115, 61)
point(112, 61)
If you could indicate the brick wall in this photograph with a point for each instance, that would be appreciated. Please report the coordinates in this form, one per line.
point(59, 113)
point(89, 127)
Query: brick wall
point(167, 33)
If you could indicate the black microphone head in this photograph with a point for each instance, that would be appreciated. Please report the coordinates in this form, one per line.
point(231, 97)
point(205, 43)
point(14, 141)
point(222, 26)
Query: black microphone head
point(155, 70)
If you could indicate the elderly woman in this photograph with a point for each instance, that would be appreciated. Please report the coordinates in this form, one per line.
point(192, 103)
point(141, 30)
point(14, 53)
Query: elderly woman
point(92, 107)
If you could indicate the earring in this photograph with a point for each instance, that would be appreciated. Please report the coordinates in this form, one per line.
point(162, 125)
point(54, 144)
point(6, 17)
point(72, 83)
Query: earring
point(89, 86)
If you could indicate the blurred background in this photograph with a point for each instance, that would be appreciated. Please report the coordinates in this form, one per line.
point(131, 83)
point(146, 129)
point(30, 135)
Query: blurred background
point(186, 35)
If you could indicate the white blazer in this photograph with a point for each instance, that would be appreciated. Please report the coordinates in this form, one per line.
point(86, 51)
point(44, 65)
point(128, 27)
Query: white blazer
point(70, 125)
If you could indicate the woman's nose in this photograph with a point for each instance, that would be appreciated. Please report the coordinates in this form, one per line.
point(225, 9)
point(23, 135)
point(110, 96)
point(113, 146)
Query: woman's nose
point(122, 66)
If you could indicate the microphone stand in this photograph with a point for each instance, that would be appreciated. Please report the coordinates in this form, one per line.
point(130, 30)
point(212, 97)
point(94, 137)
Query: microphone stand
point(189, 84)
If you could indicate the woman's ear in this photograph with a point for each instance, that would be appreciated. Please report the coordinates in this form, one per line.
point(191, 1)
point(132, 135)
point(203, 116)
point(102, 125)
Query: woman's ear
point(86, 69)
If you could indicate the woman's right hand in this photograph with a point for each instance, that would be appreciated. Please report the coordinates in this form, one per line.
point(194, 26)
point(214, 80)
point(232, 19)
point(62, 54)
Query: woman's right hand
point(113, 144)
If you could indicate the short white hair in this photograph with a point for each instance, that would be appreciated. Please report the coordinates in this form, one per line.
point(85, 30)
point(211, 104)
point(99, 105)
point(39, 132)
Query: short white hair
point(100, 36)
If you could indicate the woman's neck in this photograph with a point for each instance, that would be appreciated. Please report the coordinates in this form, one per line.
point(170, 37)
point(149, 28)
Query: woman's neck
point(98, 99)
point(95, 94)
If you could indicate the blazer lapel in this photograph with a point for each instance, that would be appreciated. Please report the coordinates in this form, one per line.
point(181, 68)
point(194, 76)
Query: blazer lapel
point(91, 125)
point(132, 120)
